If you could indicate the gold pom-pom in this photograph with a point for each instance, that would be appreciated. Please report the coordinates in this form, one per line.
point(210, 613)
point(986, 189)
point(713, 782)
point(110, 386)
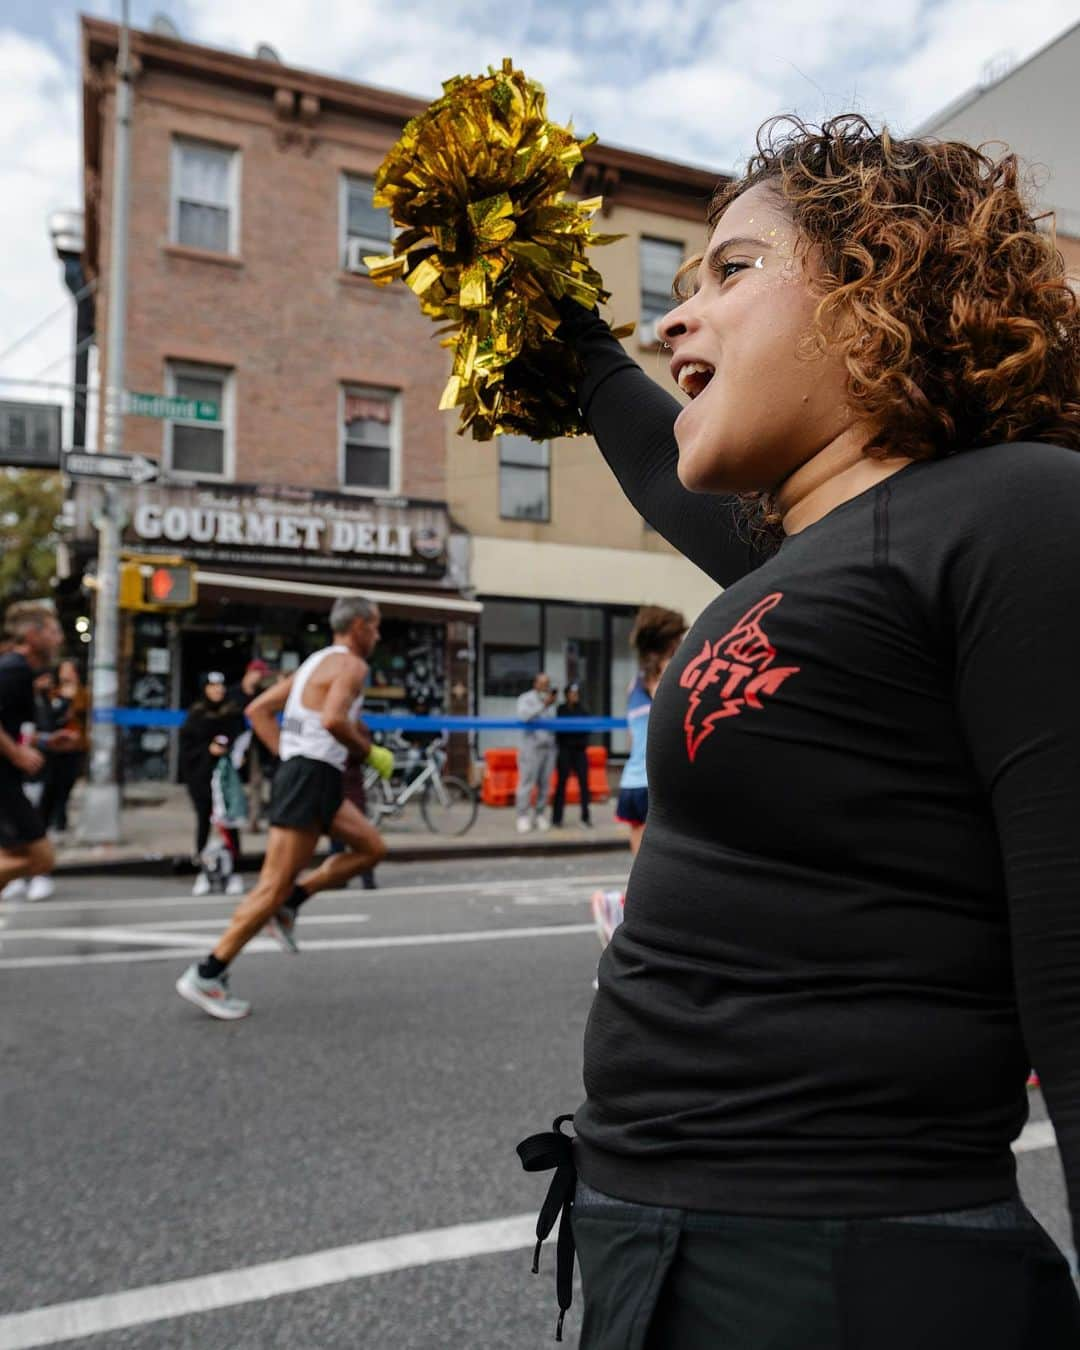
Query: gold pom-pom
point(489, 242)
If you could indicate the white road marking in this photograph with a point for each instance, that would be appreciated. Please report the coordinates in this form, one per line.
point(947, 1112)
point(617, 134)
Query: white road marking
point(255, 1284)
point(190, 902)
point(1036, 1134)
point(317, 945)
point(128, 936)
point(145, 931)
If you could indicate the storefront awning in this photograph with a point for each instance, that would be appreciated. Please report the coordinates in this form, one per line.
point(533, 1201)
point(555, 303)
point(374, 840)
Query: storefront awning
point(278, 589)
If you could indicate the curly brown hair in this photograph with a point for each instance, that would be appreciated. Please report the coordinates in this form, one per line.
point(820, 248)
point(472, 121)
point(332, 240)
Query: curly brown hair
point(949, 308)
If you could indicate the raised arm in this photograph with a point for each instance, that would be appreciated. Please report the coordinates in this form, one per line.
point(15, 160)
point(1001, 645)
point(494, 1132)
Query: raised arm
point(632, 419)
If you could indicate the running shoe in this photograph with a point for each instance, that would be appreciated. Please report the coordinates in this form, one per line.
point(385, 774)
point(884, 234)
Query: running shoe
point(607, 911)
point(202, 884)
point(282, 928)
point(212, 996)
point(14, 890)
point(543, 821)
point(235, 885)
point(524, 825)
point(40, 888)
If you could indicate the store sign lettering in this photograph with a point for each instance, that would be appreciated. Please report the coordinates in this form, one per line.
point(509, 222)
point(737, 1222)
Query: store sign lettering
point(212, 525)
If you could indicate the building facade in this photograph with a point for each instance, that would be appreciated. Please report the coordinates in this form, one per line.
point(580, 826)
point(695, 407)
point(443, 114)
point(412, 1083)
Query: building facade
point(1024, 106)
point(310, 456)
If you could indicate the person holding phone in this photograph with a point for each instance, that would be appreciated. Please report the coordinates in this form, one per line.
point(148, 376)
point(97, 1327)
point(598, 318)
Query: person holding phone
point(212, 724)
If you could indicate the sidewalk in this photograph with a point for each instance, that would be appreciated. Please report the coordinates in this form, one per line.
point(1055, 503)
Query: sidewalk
point(158, 825)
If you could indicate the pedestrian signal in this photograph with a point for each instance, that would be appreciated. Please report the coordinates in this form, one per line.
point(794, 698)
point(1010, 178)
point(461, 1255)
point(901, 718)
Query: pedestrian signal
point(149, 584)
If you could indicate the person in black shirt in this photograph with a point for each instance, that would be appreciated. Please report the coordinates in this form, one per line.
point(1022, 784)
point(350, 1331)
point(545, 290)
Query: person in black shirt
point(853, 921)
point(35, 639)
point(212, 723)
point(572, 759)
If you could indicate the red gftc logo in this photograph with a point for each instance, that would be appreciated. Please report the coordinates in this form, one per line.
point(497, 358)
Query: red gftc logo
point(738, 669)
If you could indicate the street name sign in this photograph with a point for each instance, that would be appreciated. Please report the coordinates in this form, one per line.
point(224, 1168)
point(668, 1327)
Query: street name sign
point(175, 409)
point(117, 468)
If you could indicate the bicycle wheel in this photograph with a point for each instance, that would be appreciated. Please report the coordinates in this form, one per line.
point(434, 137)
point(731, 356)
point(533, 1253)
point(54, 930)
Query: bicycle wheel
point(448, 806)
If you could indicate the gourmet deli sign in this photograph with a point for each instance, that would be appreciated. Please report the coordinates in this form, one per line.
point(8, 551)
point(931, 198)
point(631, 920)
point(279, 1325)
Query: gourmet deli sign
point(284, 527)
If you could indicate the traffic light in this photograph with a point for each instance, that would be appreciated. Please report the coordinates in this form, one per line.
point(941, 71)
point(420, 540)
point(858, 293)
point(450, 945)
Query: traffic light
point(157, 584)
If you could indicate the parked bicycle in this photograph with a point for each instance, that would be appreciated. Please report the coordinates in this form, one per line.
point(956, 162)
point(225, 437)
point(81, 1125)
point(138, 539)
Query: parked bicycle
point(447, 804)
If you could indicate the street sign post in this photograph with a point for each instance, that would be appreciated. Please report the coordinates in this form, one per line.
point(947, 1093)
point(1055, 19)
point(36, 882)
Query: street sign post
point(166, 406)
point(113, 468)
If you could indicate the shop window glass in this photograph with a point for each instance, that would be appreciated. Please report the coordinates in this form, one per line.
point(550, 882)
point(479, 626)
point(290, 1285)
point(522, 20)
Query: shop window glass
point(524, 479)
point(195, 447)
point(369, 439)
point(203, 190)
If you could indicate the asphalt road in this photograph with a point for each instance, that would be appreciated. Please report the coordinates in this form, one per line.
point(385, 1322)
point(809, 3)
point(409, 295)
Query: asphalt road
point(363, 1117)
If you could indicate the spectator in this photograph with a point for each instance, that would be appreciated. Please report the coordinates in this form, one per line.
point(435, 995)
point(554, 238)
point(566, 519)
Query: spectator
point(211, 726)
point(572, 758)
point(70, 702)
point(537, 759)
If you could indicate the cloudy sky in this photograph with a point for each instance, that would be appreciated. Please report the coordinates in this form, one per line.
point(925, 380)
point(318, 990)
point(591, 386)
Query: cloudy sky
point(690, 81)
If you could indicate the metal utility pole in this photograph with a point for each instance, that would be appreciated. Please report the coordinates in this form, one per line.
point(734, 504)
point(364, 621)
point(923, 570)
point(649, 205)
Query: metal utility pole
point(100, 821)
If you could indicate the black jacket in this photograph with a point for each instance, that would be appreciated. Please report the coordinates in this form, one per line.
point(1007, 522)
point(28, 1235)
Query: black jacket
point(205, 721)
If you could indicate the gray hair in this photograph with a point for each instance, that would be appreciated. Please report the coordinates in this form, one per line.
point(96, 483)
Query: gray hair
point(347, 609)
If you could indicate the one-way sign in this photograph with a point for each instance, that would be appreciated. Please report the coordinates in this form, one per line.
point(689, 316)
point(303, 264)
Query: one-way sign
point(120, 468)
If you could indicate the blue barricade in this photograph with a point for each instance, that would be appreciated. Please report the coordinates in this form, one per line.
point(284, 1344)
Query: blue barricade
point(173, 717)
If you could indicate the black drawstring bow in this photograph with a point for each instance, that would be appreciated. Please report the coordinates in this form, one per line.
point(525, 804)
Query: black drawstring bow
point(540, 1153)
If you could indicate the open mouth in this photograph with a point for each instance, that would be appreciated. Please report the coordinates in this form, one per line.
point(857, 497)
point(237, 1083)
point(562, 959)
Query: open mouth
point(694, 376)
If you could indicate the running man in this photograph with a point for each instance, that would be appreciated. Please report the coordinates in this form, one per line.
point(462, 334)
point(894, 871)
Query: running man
point(36, 638)
point(321, 703)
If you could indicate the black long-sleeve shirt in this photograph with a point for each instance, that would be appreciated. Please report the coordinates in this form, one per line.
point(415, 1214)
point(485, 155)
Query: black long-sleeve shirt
point(854, 921)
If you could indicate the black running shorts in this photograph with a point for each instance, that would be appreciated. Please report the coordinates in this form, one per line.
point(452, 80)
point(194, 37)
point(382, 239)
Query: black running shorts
point(20, 823)
point(306, 794)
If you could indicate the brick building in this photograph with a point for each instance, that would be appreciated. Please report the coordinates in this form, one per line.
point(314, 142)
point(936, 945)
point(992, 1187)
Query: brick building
point(326, 465)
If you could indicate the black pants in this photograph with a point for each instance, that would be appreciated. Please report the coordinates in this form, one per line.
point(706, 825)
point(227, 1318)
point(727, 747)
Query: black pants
point(203, 803)
point(576, 762)
point(63, 770)
point(670, 1279)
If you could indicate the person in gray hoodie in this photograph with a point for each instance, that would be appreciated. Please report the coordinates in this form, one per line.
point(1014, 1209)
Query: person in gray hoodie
point(536, 761)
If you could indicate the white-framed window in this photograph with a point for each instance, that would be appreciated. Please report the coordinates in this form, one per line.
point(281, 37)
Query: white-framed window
point(524, 479)
point(204, 197)
point(365, 228)
point(660, 260)
point(197, 448)
point(370, 422)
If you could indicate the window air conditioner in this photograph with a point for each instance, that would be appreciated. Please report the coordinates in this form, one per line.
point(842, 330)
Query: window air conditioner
point(647, 334)
point(355, 252)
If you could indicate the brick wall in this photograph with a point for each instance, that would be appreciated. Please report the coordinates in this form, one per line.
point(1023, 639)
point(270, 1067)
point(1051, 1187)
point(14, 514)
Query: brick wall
point(282, 314)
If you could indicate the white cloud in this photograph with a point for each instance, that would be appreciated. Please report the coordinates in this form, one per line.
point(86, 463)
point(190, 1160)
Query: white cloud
point(39, 173)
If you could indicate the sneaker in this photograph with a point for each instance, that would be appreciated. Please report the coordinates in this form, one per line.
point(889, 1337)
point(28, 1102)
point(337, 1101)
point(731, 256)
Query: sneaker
point(607, 911)
point(212, 996)
point(202, 885)
point(235, 885)
point(543, 822)
point(14, 890)
point(587, 825)
point(524, 824)
point(40, 888)
point(282, 928)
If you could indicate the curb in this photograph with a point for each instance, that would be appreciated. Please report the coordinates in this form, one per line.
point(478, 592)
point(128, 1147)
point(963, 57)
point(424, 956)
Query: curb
point(157, 865)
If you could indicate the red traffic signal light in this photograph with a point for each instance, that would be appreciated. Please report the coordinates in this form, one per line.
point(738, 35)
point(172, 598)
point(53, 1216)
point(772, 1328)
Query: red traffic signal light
point(162, 584)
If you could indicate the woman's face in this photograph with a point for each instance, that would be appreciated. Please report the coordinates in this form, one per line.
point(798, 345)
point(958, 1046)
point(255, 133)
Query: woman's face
point(214, 692)
point(758, 409)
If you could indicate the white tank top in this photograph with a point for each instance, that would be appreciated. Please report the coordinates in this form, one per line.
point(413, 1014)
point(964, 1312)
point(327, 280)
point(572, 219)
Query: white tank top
point(302, 731)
